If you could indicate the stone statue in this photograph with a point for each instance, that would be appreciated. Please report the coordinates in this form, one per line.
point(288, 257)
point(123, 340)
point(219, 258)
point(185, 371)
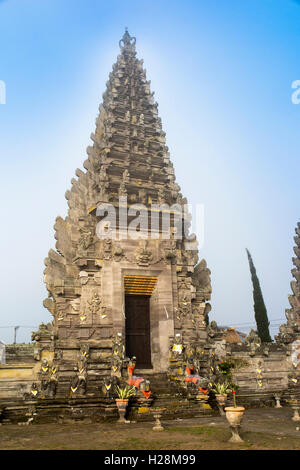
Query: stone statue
point(177, 347)
point(201, 276)
point(45, 366)
point(253, 341)
point(94, 303)
point(143, 255)
point(285, 336)
point(170, 251)
point(118, 355)
point(86, 238)
point(140, 384)
point(200, 382)
point(78, 384)
point(212, 329)
point(126, 176)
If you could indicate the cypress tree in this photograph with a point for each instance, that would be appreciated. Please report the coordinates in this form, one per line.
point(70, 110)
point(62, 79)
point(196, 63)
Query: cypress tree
point(260, 310)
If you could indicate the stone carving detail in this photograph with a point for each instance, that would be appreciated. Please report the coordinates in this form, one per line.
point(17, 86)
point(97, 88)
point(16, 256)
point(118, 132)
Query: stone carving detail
point(125, 176)
point(127, 43)
point(49, 383)
point(45, 366)
point(61, 307)
point(107, 248)
point(49, 305)
point(143, 255)
point(118, 355)
point(213, 331)
point(117, 252)
point(45, 332)
point(184, 304)
point(201, 277)
point(161, 199)
point(86, 238)
point(170, 251)
point(177, 346)
point(253, 341)
point(198, 316)
point(75, 305)
point(94, 303)
point(107, 386)
point(122, 189)
point(34, 391)
point(185, 366)
point(143, 199)
point(79, 383)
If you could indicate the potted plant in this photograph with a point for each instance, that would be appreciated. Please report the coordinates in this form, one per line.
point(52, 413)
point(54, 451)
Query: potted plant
point(225, 367)
point(124, 393)
point(234, 415)
point(221, 390)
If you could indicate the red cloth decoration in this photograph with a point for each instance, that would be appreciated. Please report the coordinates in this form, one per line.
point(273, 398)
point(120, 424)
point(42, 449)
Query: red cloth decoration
point(146, 394)
point(135, 381)
point(131, 369)
point(193, 379)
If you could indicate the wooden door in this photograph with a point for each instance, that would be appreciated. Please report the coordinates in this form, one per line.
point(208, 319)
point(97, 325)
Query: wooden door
point(137, 327)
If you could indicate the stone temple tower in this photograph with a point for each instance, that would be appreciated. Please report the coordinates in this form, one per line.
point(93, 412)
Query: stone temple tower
point(121, 282)
point(293, 314)
point(289, 332)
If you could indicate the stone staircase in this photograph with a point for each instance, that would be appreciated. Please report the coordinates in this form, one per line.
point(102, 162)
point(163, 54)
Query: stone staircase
point(178, 404)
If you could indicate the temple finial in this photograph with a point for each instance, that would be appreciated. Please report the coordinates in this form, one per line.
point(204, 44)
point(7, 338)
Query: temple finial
point(127, 42)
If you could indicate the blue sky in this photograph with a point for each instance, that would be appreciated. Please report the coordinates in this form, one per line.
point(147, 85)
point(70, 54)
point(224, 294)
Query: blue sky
point(222, 74)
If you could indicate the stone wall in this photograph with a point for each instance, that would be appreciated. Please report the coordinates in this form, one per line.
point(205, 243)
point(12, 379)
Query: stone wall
point(18, 372)
point(2, 353)
point(262, 370)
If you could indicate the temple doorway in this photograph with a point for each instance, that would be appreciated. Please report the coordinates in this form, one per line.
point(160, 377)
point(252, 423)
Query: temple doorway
point(137, 329)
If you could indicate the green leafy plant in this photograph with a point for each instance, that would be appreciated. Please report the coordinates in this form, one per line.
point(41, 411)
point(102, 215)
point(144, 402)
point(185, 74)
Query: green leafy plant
point(228, 368)
point(221, 388)
point(225, 367)
point(125, 392)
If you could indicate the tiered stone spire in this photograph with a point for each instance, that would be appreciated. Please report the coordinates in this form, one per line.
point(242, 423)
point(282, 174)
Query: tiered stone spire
point(289, 332)
point(129, 155)
point(85, 275)
point(293, 314)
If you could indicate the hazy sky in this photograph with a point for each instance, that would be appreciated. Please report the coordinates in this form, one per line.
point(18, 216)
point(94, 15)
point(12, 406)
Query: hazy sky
point(222, 73)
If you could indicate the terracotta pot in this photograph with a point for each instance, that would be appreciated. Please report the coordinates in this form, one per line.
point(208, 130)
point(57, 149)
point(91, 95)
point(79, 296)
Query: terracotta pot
point(221, 398)
point(122, 406)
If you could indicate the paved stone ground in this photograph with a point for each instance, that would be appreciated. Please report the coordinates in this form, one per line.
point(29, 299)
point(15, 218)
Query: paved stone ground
point(262, 429)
